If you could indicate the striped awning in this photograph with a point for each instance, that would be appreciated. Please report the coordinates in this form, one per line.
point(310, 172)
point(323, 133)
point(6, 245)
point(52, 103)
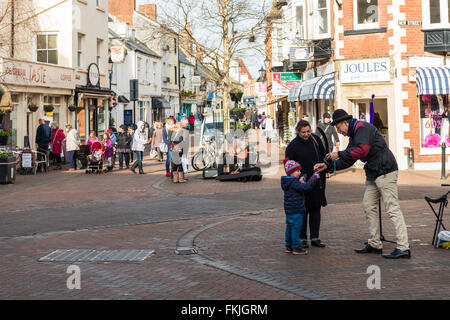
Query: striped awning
point(294, 93)
point(433, 80)
point(318, 88)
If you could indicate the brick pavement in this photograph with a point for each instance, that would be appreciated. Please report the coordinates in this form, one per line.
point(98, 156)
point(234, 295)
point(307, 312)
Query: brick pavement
point(253, 243)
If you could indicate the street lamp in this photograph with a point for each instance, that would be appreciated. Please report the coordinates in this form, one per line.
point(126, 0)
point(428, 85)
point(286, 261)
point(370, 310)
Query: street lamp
point(262, 73)
point(183, 80)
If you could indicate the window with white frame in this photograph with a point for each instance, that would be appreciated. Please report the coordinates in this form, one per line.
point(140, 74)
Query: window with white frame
point(300, 22)
point(366, 14)
point(80, 43)
point(154, 72)
point(322, 10)
point(47, 48)
point(436, 14)
point(139, 67)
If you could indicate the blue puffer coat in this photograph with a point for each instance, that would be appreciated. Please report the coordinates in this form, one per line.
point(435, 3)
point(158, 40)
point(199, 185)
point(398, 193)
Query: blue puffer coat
point(294, 190)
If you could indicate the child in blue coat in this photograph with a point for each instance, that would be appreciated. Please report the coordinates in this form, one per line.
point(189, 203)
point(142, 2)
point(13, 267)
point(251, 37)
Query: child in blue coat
point(294, 203)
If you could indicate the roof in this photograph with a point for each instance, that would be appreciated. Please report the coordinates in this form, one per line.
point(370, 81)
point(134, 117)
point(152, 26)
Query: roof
point(138, 46)
point(244, 69)
point(183, 59)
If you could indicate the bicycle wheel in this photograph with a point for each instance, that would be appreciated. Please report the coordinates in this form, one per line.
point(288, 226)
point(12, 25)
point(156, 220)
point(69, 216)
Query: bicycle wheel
point(197, 161)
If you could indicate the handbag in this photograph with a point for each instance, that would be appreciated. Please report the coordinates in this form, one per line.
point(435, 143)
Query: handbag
point(163, 147)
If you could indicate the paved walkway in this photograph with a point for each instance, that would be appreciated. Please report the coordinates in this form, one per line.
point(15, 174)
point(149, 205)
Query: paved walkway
point(239, 254)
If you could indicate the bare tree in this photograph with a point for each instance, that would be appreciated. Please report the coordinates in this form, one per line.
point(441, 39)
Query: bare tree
point(222, 30)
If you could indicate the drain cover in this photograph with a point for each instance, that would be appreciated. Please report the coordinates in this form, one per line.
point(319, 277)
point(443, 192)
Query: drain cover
point(74, 255)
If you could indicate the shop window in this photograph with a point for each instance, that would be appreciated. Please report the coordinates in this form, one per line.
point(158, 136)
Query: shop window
point(47, 48)
point(434, 120)
point(101, 118)
point(8, 121)
point(52, 116)
point(366, 14)
point(436, 14)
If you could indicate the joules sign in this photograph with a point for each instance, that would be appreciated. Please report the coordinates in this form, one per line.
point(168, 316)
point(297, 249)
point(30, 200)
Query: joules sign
point(374, 70)
point(33, 74)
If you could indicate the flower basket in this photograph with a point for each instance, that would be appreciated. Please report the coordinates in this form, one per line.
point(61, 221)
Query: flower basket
point(4, 137)
point(33, 107)
point(72, 108)
point(7, 167)
point(48, 108)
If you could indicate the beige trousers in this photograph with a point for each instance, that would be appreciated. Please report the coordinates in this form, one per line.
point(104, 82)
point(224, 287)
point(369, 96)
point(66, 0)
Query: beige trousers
point(386, 187)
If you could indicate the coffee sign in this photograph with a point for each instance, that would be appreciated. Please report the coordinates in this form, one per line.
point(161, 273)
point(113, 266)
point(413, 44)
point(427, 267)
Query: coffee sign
point(373, 70)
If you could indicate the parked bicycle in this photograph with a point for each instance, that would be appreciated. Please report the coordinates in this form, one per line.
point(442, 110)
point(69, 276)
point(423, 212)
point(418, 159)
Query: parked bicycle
point(205, 158)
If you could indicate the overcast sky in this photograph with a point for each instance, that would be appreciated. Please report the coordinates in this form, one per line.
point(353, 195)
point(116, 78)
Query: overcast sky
point(253, 63)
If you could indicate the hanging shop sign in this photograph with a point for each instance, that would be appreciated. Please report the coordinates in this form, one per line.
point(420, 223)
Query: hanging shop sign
point(117, 54)
point(93, 75)
point(373, 70)
point(196, 81)
point(282, 82)
point(299, 54)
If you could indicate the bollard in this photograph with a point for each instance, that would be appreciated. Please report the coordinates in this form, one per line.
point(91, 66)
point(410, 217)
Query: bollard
point(411, 158)
point(443, 161)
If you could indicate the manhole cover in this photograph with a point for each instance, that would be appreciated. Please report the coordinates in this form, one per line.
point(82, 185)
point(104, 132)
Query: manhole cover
point(83, 255)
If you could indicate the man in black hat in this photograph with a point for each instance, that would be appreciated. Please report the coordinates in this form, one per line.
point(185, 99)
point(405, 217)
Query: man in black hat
point(367, 144)
point(329, 130)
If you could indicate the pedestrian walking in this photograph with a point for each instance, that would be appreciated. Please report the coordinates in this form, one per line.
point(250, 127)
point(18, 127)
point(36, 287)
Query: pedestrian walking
point(330, 131)
point(166, 139)
point(268, 128)
point(191, 122)
point(294, 204)
point(43, 139)
point(139, 142)
point(307, 149)
point(108, 146)
point(368, 145)
point(130, 132)
point(56, 147)
point(123, 146)
point(157, 139)
point(113, 138)
point(72, 145)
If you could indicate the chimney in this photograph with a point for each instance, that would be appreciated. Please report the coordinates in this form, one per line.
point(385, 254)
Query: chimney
point(185, 40)
point(122, 10)
point(149, 10)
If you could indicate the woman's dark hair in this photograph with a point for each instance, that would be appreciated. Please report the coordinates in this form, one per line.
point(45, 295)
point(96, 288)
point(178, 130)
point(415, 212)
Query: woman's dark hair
point(301, 124)
point(124, 127)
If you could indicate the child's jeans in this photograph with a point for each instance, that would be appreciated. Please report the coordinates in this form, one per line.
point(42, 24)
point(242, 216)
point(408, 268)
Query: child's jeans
point(293, 227)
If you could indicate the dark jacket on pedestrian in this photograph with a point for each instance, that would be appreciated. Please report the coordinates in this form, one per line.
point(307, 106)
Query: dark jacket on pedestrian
point(308, 153)
point(123, 141)
point(294, 194)
point(330, 131)
point(368, 145)
point(43, 135)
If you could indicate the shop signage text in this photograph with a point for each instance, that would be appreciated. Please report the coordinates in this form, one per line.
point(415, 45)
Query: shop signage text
point(298, 54)
point(282, 82)
point(31, 74)
point(93, 75)
point(375, 70)
point(409, 23)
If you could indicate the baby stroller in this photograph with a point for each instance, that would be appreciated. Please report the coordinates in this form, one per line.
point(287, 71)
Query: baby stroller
point(96, 158)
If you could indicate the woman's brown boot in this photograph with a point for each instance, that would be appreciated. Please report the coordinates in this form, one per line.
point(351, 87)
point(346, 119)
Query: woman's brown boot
point(181, 177)
point(175, 176)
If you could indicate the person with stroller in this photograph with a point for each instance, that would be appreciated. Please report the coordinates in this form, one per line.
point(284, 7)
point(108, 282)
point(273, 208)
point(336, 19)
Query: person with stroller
point(108, 147)
point(123, 146)
point(139, 142)
point(56, 147)
point(92, 139)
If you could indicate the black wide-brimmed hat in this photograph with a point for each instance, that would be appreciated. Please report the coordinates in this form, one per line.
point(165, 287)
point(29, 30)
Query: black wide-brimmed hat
point(340, 115)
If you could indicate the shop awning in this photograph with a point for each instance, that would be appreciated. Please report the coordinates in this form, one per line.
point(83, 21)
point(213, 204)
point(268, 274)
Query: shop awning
point(318, 88)
point(160, 103)
point(294, 93)
point(123, 99)
point(433, 80)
